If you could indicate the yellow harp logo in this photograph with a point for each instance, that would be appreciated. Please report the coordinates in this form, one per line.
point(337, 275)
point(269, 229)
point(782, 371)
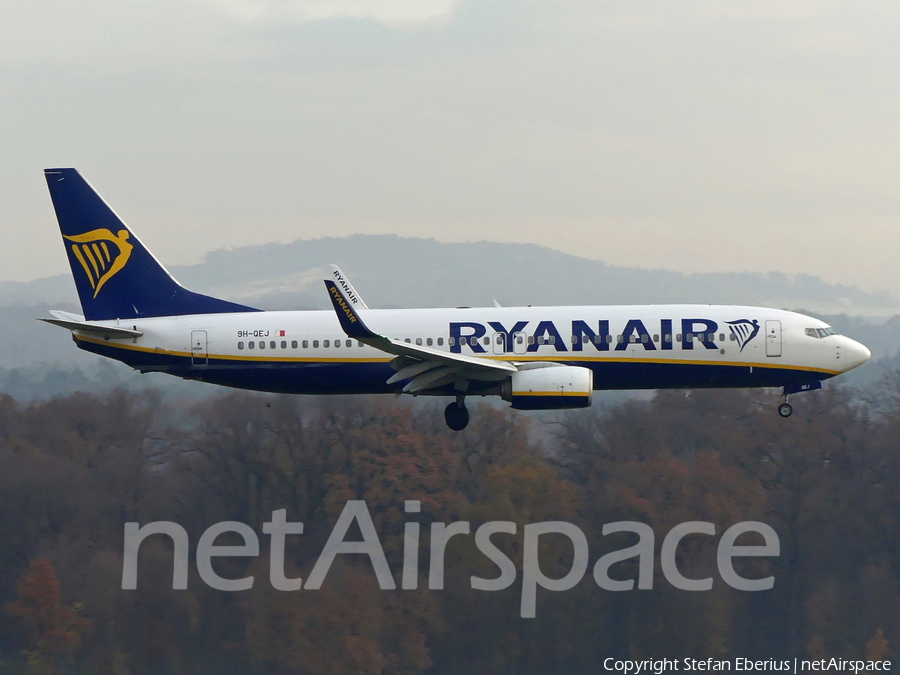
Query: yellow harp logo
point(102, 254)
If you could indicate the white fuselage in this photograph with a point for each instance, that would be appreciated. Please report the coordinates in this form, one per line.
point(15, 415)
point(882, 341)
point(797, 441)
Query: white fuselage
point(627, 347)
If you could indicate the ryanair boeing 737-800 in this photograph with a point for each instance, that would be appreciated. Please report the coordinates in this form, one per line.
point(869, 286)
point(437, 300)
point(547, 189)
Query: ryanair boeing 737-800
point(537, 358)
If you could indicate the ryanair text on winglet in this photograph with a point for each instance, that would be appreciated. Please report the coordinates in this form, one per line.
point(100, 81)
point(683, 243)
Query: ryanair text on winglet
point(346, 286)
point(343, 305)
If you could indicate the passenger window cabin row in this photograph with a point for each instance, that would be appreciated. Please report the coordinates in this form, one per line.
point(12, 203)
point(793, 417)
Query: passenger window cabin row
point(274, 344)
point(541, 340)
point(609, 339)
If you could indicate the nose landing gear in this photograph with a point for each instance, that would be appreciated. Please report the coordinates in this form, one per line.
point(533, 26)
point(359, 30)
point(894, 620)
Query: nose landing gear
point(785, 409)
point(456, 414)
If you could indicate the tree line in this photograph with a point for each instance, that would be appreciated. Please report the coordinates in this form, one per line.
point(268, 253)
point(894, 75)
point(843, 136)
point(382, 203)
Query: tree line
point(76, 468)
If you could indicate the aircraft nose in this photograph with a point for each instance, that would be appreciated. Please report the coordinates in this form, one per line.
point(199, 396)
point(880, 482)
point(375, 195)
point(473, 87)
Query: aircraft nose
point(855, 354)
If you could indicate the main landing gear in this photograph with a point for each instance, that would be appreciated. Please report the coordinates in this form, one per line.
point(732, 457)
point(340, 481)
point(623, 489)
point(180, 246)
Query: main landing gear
point(456, 415)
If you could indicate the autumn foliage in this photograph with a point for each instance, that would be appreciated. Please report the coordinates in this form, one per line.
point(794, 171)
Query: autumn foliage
point(54, 630)
point(77, 468)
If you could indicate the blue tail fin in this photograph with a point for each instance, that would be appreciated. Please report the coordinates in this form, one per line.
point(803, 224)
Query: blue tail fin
point(116, 277)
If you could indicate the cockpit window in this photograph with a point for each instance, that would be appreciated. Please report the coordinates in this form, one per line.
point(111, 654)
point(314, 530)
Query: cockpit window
point(820, 332)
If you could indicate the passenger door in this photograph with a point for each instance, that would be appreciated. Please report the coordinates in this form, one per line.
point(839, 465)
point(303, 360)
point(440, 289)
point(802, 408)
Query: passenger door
point(773, 338)
point(520, 343)
point(199, 354)
point(499, 342)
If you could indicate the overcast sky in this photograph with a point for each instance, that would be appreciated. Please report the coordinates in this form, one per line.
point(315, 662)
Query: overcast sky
point(689, 135)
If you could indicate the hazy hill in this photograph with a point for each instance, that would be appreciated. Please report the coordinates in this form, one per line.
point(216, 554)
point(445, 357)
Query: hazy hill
point(393, 271)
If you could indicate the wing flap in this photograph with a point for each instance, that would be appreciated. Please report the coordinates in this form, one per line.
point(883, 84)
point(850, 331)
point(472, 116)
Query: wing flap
point(412, 370)
point(433, 378)
point(401, 348)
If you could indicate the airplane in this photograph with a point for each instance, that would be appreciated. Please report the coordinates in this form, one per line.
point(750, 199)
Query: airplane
point(535, 358)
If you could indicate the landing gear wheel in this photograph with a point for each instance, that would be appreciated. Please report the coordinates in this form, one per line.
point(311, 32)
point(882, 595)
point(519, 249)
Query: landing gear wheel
point(457, 416)
point(785, 409)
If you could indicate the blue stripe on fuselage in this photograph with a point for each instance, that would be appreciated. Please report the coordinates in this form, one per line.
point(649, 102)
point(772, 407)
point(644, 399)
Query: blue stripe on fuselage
point(369, 377)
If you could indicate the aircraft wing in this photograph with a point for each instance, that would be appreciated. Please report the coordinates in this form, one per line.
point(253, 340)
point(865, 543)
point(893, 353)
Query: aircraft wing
point(425, 367)
point(74, 322)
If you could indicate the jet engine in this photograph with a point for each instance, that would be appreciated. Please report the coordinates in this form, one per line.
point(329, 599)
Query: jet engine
point(549, 388)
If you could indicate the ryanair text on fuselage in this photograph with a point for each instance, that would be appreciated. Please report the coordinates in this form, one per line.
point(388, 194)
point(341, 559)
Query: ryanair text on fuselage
point(634, 332)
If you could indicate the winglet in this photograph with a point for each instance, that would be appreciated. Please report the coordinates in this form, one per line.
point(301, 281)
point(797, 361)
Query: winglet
point(350, 321)
point(350, 293)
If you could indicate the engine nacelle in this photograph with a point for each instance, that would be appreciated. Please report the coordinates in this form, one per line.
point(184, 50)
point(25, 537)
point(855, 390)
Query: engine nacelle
point(550, 388)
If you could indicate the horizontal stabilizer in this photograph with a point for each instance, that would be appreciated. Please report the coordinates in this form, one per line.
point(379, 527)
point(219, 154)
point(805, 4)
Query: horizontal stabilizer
point(77, 323)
